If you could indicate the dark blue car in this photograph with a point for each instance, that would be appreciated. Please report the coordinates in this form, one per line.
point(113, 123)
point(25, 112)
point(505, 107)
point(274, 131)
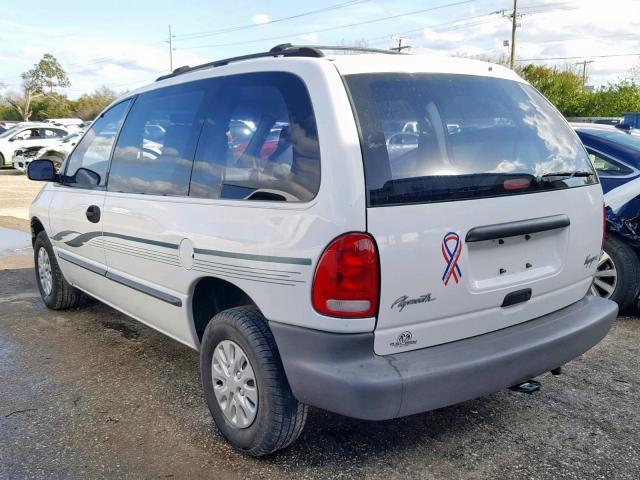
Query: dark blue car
point(615, 154)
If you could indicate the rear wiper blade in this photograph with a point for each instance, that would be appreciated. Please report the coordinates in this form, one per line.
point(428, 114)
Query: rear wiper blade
point(563, 175)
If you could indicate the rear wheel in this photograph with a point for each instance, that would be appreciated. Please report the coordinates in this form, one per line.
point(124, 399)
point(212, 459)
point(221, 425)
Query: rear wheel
point(617, 274)
point(245, 385)
point(1, 160)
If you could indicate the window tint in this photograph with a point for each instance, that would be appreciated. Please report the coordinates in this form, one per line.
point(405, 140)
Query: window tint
point(29, 134)
point(87, 165)
point(154, 153)
point(259, 141)
point(49, 133)
point(607, 166)
point(438, 137)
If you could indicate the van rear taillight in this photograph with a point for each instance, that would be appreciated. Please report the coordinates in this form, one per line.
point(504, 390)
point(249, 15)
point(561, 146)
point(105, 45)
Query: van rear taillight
point(346, 282)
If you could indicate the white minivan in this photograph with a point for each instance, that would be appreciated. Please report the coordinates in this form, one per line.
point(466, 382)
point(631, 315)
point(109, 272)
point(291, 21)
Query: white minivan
point(251, 209)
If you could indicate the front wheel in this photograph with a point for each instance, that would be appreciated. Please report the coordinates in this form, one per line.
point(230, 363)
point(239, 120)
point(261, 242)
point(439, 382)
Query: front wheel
point(245, 385)
point(55, 291)
point(617, 275)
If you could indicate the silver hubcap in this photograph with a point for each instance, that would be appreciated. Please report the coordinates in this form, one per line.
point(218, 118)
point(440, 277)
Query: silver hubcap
point(606, 279)
point(234, 384)
point(44, 271)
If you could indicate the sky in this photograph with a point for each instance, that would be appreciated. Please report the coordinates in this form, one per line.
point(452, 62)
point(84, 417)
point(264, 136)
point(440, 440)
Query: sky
point(123, 44)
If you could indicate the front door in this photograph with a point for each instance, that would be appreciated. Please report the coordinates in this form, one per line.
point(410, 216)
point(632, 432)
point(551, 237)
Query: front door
point(77, 204)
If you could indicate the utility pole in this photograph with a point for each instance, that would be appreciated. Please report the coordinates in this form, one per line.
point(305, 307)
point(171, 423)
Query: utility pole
point(514, 25)
point(170, 42)
point(584, 64)
point(400, 47)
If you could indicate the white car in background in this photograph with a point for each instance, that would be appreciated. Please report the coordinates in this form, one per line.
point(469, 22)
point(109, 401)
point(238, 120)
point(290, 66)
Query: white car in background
point(57, 152)
point(26, 135)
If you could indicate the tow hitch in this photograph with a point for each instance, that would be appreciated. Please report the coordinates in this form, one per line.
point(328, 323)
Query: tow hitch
point(529, 387)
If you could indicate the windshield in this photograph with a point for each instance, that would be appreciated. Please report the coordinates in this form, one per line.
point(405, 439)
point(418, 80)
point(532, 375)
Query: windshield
point(68, 138)
point(10, 132)
point(630, 140)
point(440, 137)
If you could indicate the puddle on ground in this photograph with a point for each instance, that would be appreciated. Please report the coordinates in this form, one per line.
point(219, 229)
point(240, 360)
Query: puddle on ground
point(14, 242)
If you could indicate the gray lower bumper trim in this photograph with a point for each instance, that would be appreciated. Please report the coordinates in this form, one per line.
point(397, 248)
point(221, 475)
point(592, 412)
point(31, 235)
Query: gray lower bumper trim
point(341, 373)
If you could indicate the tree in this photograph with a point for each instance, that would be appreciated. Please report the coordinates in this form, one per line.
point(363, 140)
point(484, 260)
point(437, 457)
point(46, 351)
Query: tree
point(53, 105)
point(562, 87)
point(88, 106)
point(46, 74)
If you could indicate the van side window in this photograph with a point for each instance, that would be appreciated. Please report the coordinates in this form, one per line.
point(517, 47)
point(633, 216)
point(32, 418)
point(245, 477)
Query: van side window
point(259, 141)
point(154, 153)
point(87, 166)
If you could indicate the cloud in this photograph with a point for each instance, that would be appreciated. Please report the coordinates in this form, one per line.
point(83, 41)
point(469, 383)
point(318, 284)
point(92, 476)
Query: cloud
point(573, 29)
point(260, 18)
point(310, 37)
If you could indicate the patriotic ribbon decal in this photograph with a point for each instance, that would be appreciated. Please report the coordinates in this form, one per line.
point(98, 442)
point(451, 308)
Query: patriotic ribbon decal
point(451, 257)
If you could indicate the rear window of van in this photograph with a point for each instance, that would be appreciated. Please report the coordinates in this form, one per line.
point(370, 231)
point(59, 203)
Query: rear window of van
point(441, 137)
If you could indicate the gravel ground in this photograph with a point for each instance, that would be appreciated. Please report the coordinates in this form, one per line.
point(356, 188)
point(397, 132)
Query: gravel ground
point(89, 393)
point(16, 193)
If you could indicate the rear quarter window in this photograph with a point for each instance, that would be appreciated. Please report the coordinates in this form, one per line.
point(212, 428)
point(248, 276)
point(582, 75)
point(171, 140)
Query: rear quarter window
point(259, 141)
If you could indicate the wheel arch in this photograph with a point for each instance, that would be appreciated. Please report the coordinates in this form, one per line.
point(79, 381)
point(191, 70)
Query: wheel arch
point(212, 295)
point(36, 227)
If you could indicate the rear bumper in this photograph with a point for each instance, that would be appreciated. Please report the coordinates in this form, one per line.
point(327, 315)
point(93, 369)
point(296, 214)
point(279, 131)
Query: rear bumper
point(342, 374)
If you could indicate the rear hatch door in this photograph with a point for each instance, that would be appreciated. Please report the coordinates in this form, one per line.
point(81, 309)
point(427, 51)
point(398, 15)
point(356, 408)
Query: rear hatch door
point(492, 219)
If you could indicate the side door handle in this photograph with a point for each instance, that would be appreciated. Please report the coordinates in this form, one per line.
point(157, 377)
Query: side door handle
point(93, 214)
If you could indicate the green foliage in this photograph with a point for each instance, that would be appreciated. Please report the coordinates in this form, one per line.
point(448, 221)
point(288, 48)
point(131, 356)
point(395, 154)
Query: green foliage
point(52, 105)
point(88, 106)
point(45, 75)
point(562, 87)
point(48, 74)
point(565, 90)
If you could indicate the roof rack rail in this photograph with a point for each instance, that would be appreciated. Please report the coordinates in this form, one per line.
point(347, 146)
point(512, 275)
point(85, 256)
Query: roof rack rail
point(346, 48)
point(282, 50)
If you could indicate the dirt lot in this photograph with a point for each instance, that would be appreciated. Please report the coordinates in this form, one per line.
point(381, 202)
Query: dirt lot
point(16, 193)
point(91, 393)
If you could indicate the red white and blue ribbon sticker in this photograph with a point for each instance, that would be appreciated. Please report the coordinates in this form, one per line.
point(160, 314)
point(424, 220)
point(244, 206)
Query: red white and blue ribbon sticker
point(451, 250)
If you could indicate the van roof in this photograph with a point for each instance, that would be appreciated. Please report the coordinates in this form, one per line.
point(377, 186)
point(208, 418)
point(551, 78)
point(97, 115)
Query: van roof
point(359, 60)
point(378, 63)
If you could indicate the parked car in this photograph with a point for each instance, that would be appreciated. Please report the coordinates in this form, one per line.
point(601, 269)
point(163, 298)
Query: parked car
point(632, 119)
point(616, 157)
point(328, 274)
point(57, 152)
point(26, 135)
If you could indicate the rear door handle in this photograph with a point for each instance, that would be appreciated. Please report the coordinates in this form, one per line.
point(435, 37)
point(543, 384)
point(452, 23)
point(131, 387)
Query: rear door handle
point(93, 214)
point(514, 229)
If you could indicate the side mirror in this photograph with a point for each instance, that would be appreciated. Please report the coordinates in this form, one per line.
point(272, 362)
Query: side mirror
point(12, 139)
point(625, 127)
point(41, 171)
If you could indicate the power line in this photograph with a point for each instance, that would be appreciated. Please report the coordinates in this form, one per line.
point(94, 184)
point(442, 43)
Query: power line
point(366, 22)
point(210, 33)
point(577, 56)
point(489, 19)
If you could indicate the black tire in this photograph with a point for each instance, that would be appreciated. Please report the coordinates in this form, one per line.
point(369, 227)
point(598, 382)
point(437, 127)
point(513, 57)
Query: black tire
point(627, 265)
point(62, 295)
point(280, 418)
point(1, 160)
